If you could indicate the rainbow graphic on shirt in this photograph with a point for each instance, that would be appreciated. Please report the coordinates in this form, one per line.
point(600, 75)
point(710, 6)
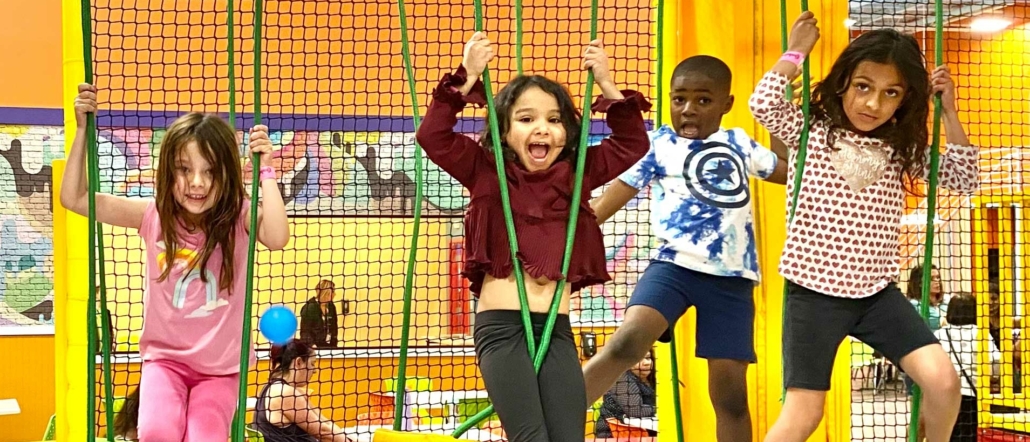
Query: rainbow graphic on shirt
point(184, 262)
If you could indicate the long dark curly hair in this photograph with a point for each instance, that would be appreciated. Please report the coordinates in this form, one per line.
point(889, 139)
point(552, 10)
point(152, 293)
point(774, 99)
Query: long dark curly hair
point(908, 133)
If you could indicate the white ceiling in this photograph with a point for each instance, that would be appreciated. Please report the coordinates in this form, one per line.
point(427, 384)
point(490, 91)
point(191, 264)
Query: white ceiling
point(917, 14)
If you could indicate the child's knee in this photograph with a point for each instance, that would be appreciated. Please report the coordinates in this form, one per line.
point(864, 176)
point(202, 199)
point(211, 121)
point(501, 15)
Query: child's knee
point(629, 346)
point(732, 405)
point(807, 420)
point(804, 411)
point(729, 392)
point(160, 430)
point(944, 383)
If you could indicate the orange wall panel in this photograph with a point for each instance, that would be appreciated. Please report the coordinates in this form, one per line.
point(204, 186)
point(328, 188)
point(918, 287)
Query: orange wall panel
point(28, 376)
point(30, 41)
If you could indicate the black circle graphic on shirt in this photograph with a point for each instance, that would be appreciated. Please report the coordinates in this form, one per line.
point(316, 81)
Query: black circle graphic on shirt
point(705, 169)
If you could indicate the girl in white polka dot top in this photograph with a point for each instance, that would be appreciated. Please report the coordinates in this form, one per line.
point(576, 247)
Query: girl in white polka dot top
point(868, 143)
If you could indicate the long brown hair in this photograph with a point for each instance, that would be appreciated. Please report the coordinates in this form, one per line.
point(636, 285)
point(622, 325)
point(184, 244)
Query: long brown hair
point(216, 141)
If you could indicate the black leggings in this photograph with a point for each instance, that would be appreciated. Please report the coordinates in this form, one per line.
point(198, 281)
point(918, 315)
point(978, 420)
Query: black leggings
point(532, 408)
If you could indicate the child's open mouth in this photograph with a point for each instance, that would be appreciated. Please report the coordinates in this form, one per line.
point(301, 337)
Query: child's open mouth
point(690, 131)
point(538, 151)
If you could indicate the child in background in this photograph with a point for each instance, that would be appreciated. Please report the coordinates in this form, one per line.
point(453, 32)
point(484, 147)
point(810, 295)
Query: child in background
point(914, 291)
point(127, 418)
point(958, 338)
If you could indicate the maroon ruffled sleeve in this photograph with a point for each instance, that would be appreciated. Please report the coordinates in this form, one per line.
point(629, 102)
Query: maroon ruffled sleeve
point(458, 155)
point(627, 144)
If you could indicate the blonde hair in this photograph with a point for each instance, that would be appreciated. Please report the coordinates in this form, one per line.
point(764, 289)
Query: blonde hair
point(324, 285)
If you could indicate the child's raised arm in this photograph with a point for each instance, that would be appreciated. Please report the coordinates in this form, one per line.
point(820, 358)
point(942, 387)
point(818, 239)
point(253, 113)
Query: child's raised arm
point(456, 154)
point(110, 209)
point(782, 118)
point(273, 225)
point(628, 142)
point(596, 59)
point(959, 169)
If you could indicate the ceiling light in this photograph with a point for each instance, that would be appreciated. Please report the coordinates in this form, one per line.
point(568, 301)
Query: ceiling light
point(989, 24)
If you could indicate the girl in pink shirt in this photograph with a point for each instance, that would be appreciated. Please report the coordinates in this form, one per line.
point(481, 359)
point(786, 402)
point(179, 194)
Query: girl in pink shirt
point(868, 142)
point(195, 232)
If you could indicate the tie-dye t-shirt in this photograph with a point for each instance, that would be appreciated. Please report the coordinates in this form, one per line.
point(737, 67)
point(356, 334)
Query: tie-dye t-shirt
point(700, 199)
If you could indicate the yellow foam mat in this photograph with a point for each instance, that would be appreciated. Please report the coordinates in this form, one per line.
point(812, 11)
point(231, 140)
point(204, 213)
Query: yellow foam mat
point(400, 436)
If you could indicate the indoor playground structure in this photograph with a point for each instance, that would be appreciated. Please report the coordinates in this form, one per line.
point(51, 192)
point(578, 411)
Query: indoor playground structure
point(379, 228)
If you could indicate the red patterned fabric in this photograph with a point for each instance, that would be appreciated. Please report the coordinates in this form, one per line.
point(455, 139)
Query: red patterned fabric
point(539, 201)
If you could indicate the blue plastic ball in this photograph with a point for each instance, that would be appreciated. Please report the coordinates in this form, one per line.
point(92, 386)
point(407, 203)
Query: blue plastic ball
point(278, 324)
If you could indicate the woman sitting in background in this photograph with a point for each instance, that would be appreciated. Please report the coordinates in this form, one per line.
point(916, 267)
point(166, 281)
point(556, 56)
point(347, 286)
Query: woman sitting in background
point(633, 396)
point(283, 412)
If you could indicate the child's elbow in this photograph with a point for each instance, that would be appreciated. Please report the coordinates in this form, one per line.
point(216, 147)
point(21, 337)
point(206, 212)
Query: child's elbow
point(972, 186)
point(757, 104)
point(66, 201)
point(279, 244)
point(278, 240)
point(74, 203)
point(965, 183)
point(422, 135)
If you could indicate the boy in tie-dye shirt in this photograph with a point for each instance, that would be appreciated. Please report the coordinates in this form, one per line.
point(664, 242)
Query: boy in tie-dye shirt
point(705, 255)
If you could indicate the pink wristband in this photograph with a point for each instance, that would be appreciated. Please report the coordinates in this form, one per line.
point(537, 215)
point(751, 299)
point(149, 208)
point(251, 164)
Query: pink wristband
point(794, 57)
point(267, 173)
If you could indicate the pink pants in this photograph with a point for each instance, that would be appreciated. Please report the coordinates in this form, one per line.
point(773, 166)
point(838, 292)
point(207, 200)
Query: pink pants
point(178, 404)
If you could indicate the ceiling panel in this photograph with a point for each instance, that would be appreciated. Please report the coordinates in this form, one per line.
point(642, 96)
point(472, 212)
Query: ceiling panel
point(917, 14)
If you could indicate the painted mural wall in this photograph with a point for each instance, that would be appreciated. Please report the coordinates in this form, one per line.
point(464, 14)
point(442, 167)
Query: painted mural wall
point(321, 174)
point(26, 223)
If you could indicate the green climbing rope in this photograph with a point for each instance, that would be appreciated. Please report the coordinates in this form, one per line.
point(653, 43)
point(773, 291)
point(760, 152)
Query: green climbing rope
point(96, 257)
point(535, 353)
point(518, 35)
point(799, 165)
point(409, 277)
point(660, 49)
point(784, 36)
point(230, 11)
point(255, 163)
point(505, 201)
point(676, 387)
point(931, 209)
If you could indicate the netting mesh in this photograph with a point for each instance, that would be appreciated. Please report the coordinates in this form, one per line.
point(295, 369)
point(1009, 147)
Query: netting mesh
point(977, 240)
point(336, 102)
point(335, 99)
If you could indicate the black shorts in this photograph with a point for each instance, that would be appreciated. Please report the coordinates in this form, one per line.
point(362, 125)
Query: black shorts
point(815, 325)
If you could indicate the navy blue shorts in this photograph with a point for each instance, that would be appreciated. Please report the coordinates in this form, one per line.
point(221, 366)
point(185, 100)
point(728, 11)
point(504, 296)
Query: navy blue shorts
point(725, 308)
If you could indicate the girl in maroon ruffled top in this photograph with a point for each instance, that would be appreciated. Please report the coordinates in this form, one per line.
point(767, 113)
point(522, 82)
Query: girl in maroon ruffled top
point(540, 131)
